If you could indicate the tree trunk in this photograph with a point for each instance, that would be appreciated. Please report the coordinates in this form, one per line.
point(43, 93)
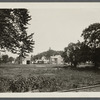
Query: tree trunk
point(75, 64)
point(96, 65)
point(71, 64)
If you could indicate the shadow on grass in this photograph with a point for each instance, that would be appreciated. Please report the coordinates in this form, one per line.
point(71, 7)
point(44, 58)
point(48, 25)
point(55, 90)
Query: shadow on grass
point(85, 68)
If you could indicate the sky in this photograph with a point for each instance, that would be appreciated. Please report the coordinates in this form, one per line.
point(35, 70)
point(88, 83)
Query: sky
point(55, 25)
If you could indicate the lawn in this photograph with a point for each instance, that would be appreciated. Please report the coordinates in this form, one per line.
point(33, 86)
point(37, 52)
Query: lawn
point(45, 78)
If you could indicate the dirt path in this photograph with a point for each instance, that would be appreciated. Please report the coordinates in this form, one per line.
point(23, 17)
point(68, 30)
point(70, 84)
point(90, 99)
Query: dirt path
point(93, 88)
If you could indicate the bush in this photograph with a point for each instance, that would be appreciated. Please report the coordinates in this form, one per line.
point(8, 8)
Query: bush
point(39, 83)
point(44, 84)
point(19, 85)
point(4, 84)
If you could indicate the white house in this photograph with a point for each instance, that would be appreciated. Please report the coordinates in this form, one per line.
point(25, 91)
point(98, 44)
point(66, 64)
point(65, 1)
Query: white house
point(26, 60)
point(57, 59)
point(45, 60)
point(42, 60)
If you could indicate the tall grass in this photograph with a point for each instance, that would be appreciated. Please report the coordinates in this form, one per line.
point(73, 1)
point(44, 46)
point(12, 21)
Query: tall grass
point(45, 79)
point(42, 84)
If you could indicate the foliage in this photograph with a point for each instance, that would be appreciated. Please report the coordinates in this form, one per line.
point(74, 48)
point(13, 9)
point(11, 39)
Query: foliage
point(10, 59)
point(71, 53)
point(45, 79)
point(91, 37)
point(4, 58)
point(85, 53)
point(13, 34)
point(77, 53)
point(47, 54)
point(18, 60)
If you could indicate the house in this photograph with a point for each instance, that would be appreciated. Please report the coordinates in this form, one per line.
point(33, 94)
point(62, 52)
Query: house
point(57, 59)
point(43, 60)
point(26, 60)
point(21, 60)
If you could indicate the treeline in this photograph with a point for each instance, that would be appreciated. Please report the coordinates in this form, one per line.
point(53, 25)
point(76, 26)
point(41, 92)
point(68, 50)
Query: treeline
point(88, 50)
point(6, 59)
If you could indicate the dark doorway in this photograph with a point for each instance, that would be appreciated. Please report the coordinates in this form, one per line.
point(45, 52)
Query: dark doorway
point(28, 62)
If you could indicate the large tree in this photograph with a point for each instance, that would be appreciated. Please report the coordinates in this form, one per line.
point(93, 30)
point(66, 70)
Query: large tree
point(91, 36)
point(13, 31)
point(84, 53)
point(76, 53)
point(70, 54)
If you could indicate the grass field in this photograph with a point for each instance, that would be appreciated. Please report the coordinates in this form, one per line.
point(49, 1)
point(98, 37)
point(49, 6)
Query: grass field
point(44, 78)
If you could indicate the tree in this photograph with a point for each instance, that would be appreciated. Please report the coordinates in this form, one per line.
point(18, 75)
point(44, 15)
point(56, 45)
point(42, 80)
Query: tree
point(18, 60)
point(77, 53)
point(70, 54)
point(0, 60)
point(84, 53)
point(10, 59)
point(5, 59)
point(91, 37)
point(13, 31)
point(47, 54)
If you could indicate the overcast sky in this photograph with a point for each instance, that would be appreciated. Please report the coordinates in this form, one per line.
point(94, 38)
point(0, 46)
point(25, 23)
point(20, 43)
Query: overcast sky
point(56, 25)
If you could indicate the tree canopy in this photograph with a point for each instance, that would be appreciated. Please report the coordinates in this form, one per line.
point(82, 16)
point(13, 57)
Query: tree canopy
point(91, 37)
point(76, 53)
point(13, 31)
point(70, 54)
point(6, 59)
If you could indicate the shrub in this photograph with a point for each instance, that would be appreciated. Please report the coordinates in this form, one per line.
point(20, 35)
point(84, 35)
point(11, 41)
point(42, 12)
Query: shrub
point(4, 84)
point(18, 85)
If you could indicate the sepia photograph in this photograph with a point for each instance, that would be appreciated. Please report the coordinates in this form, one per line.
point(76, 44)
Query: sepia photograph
point(49, 47)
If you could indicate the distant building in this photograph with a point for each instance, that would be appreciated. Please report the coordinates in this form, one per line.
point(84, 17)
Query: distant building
point(21, 60)
point(57, 59)
point(43, 60)
point(26, 60)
